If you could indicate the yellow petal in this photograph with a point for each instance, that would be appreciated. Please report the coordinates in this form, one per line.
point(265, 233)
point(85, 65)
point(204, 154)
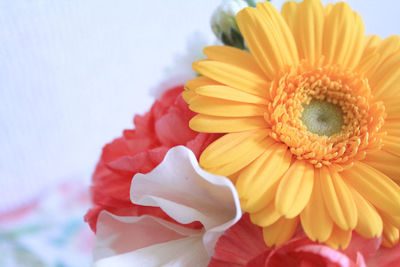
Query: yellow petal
point(288, 45)
point(385, 49)
point(385, 162)
point(230, 147)
point(309, 30)
point(354, 53)
point(372, 42)
point(343, 36)
point(266, 216)
point(338, 199)
point(234, 56)
point(392, 126)
point(229, 93)
point(280, 232)
point(256, 204)
point(393, 108)
point(214, 124)
point(367, 62)
point(289, 13)
point(376, 187)
point(369, 223)
point(188, 95)
point(191, 85)
point(233, 76)
point(328, 9)
point(253, 151)
point(315, 218)
point(268, 38)
point(199, 81)
point(257, 179)
point(295, 189)
point(224, 108)
point(392, 144)
point(385, 80)
point(339, 238)
point(370, 57)
point(390, 236)
point(390, 218)
point(234, 177)
point(384, 75)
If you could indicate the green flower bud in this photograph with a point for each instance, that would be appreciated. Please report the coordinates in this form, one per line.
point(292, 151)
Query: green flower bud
point(224, 25)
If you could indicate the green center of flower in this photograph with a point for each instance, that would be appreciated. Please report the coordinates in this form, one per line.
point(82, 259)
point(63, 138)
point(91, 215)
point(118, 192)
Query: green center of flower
point(322, 117)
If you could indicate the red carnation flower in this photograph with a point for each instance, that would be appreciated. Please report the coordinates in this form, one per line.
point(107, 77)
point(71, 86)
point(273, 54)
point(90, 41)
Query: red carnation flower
point(139, 151)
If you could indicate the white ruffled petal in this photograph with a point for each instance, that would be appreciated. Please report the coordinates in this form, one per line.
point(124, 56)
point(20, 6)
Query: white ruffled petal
point(187, 251)
point(187, 193)
point(117, 234)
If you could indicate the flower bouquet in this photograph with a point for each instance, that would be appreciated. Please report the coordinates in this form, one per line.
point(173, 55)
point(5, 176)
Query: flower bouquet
point(283, 151)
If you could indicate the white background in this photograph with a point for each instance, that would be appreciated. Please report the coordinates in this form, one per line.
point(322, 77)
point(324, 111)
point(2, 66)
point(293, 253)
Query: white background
point(73, 74)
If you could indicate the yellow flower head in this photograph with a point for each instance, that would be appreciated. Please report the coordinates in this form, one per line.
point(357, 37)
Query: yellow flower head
point(311, 118)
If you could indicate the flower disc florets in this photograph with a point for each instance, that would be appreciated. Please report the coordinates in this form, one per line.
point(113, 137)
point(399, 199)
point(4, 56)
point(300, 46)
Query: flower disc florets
point(325, 115)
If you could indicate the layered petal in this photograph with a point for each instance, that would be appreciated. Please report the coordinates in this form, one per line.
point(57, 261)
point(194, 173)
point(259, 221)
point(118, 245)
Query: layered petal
point(376, 187)
point(233, 76)
point(267, 216)
point(343, 36)
point(257, 183)
point(339, 238)
point(390, 236)
point(235, 148)
point(306, 21)
point(280, 232)
point(315, 218)
point(230, 94)
point(289, 13)
point(385, 162)
point(369, 223)
point(384, 48)
point(268, 38)
point(217, 124)
point(295, 189)
point(386, 79)
point(225, 108)
point(234, 56)
point(392, 144)
point(338, 199)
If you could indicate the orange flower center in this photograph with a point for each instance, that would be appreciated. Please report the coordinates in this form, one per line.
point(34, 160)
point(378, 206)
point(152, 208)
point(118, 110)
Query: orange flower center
point(325, 116)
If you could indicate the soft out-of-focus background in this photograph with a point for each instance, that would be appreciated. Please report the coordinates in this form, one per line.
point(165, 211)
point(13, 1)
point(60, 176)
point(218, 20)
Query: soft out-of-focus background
point(72, 75)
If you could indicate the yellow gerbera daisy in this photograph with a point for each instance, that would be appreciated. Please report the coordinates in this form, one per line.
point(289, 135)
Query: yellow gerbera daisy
point(312, 122)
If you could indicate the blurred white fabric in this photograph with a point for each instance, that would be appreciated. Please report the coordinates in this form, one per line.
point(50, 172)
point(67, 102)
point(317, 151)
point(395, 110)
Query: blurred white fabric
point(73, 74)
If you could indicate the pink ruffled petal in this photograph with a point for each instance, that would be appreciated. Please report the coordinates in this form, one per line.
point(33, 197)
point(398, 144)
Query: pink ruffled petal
point(386, 257)
point(326, 255)
point(285, 254)
point(240, 245)
point(361, 245)
point(172, 129)
point(360, 260)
